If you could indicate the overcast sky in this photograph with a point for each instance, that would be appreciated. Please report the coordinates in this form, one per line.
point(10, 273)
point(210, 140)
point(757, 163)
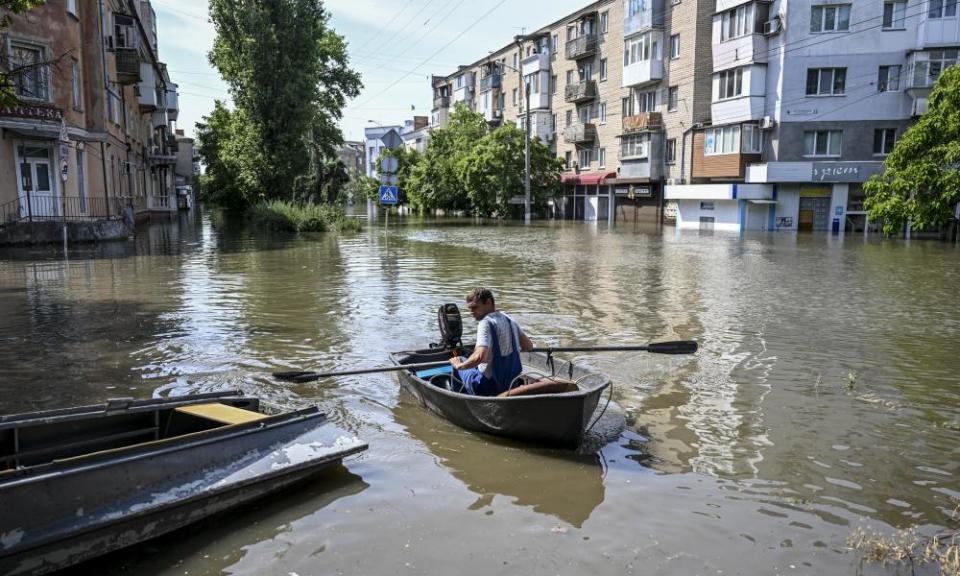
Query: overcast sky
point(395, 44)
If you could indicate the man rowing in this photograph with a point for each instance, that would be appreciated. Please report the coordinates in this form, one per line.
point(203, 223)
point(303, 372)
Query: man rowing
point(495, 361)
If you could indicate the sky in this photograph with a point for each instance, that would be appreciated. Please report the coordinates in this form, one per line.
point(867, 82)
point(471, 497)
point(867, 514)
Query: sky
point(395, 44)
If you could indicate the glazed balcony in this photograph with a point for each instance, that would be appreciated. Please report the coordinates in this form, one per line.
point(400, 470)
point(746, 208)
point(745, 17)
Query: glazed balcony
point(490, 82)
point(582, 91)
point(580, 133)
point(581, 47)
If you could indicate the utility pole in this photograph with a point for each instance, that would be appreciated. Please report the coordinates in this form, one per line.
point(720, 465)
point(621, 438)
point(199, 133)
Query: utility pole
point(526, 143)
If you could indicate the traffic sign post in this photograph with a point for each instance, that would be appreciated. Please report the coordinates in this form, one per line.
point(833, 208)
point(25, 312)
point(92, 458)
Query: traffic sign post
point(389, 194)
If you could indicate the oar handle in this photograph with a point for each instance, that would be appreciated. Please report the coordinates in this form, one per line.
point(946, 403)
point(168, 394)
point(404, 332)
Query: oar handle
point(677, 347)
point(305, 376)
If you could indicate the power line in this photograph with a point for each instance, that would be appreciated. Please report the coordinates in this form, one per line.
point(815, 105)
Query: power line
point(385, 26)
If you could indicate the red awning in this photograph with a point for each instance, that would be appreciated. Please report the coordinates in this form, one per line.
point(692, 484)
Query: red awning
point(587, 178)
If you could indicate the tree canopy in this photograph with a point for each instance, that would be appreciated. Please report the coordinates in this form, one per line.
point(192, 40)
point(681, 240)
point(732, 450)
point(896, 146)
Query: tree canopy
point(921, 180)
point(289, 78)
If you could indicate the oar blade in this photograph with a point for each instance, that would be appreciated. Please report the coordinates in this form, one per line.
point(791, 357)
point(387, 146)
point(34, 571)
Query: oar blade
point(677, 347)
point(295, 376)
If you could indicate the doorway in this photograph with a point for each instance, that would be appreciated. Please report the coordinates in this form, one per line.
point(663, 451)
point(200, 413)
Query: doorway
point(814, 213)
point(37, 185)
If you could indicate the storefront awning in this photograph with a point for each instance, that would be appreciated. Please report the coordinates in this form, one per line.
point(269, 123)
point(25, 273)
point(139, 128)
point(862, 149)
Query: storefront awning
point(586, 178)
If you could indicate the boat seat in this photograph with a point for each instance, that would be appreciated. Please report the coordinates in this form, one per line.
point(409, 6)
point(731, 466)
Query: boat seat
point(547, 386)
point(222, 413)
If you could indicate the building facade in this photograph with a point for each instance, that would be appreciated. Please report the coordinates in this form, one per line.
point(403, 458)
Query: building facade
point(91, 136)
point(717, 111)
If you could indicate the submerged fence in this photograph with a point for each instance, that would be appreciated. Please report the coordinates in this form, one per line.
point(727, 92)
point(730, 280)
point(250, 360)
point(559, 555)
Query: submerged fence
point(37, 207)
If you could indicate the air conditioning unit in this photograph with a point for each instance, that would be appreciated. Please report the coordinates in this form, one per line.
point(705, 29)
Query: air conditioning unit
point(767, 123)
point(772, 26)
point(919, 107)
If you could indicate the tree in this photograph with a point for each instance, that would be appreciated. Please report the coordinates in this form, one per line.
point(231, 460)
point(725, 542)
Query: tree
point(217, 141)
point(9, 9)
point(921, 179)
point(288, 74)
point(407, 161)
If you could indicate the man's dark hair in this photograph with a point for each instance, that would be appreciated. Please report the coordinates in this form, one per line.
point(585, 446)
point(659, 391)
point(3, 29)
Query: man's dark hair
point(480, 295)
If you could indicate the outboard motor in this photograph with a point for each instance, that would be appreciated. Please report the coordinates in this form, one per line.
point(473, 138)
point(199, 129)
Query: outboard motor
point(451, 326)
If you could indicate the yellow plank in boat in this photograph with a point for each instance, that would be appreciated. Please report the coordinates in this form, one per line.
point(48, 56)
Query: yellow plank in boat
point(222, 413)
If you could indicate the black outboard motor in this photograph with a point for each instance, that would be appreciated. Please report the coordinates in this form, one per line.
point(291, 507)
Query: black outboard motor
point(451, 326)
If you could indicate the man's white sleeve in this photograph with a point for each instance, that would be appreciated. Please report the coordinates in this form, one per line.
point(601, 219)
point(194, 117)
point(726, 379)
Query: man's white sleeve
point(483, 333)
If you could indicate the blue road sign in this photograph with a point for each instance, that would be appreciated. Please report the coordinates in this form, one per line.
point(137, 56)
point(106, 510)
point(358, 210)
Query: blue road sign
point(389, 194)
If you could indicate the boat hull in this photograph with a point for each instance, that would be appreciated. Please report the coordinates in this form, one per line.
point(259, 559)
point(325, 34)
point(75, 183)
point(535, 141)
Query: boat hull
point(550, 419)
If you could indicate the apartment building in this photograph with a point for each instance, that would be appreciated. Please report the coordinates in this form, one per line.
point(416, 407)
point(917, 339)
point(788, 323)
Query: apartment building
point(92, 134)
point(615, 89)
point(808, 98)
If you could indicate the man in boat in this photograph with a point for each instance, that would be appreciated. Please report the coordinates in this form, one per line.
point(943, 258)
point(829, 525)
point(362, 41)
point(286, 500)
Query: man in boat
point(495, 361)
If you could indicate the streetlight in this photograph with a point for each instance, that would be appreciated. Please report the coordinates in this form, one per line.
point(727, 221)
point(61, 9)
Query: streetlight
point(526, 144)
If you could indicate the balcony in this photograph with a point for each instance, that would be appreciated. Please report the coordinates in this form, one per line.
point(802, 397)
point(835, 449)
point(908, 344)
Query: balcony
point(128, 65)
point(580, 92)
point(147, 95)
point(441, 102)
point(490, 82)
point(581, 47)
point(643, 122)
point(749, 49)
point(173, 103)
point(493, 115)
point(535, 63)
point(643, 72)
point(648, 18)
point(580, 133)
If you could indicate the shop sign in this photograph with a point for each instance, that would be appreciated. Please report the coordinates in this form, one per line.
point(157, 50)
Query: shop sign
point(844, 171)
point(32, 112)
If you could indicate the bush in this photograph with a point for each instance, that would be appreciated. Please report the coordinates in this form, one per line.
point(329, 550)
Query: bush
point(292, 217)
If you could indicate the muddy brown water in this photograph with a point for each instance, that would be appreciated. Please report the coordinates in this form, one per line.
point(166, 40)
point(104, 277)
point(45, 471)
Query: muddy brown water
point(826, 395)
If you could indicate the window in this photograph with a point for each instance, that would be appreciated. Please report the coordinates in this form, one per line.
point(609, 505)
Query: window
point(72, 7)
point(706, 206)
point(834, 18)
point(515, 56)
point(826, 81)
point(634, 7)
point(673, 98)
point(889, 79)
point(942, 8)
point(603, 69)
point(586, 156)
point(675, 46)
point(737, 22)
point(568, 159)
point(894, 15)
point(533, 81)
point(585, 71)
point(556, 42)
point(602, 112)
point(604, 18)
point(721, 140)
point(31, 82)
point(124, 31)
point(635, 146)
point(730, 83)
point(640, 49)
point(751, 139)
point(571, 33)
point(75, 85)
point(569, 117)
point(883, 140)
point(646, 101)
point(553, 123)
point(458, 82)
point(822, 142)
point(514, 96)
point(602, 157)
point(553, 84)
point(569, 77)
point(671, 150)
point(940, 60)
point(626, 105)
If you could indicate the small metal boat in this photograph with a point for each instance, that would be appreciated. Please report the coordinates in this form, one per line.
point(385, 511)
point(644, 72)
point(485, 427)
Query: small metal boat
point(552, 403)
point(80, 482)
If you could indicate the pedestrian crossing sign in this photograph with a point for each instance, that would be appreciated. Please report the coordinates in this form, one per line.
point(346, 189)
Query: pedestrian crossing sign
point(389, 194)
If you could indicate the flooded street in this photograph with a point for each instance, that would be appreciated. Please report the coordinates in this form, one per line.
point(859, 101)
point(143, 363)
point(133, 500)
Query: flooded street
point(825, 396)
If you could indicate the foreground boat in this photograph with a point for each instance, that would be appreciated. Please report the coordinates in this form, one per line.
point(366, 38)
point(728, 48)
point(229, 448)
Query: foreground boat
point(80, 482)
point(553, 402)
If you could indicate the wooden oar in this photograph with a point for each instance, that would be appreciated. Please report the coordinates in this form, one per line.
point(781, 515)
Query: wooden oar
point(302, 376)
point(677, 347)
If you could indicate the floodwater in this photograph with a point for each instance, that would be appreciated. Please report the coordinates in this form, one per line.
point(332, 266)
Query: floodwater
point(825, 397)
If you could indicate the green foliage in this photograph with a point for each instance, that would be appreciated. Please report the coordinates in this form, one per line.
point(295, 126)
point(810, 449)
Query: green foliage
point(363, 188)
point(921, 180)
point(284, 216)
point(218, 139)
point(9, 9)
point(407, 160)
point(288, 74)
point(468, 167)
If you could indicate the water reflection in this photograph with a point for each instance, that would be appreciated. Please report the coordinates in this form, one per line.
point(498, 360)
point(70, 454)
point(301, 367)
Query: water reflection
point(562, 484)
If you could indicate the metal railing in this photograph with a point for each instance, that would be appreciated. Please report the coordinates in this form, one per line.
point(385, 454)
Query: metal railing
point(441, 102)
point(580, 92)
point(490, 82)
point(581, 47)
point(128, 65)
point(37, 207)
point(641, 122)
point(577, 133)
